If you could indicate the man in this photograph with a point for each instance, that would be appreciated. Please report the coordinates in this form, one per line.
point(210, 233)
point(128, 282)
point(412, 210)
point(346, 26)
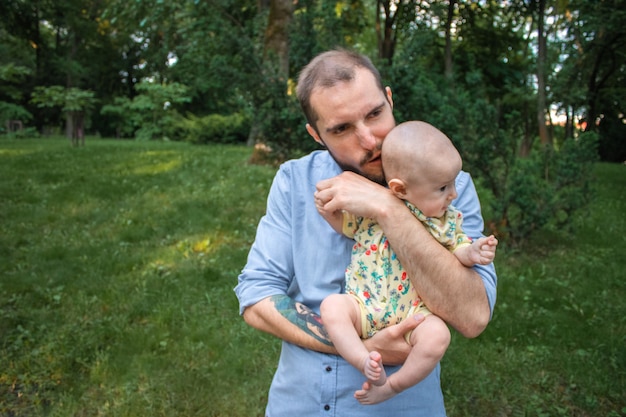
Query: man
point(297, 259)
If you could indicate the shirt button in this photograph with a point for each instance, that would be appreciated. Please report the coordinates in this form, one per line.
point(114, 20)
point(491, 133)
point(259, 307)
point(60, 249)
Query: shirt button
point(328, 369)
point(327, 407)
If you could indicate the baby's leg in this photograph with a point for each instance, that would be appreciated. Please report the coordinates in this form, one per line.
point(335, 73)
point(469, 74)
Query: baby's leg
point(429, 340)
point(341, 316)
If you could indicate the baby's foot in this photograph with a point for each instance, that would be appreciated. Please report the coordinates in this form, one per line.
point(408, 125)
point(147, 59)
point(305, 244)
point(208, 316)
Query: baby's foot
point(374, 370)
point(373, 394)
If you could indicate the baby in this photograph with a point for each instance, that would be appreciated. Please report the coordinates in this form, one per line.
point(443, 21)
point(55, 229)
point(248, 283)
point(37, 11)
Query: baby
point(420, 165)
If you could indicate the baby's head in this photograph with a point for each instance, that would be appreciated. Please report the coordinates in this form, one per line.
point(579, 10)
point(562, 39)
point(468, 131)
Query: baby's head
point(420, 165)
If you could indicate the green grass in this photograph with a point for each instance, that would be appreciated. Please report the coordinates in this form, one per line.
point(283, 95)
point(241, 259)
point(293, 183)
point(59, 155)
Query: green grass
point(117, 263)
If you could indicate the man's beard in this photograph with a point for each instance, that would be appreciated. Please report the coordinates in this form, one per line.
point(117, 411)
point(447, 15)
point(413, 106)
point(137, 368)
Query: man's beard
point(379, 179)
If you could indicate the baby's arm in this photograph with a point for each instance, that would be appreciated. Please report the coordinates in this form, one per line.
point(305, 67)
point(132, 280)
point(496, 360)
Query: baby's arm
point(482, 251)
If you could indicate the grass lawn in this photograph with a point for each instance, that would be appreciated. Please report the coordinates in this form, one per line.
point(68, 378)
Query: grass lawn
point(117, 263)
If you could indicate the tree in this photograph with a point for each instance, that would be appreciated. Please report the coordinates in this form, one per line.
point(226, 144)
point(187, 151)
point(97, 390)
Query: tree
point(391, 18)
point(12, 114)
point(74, 102)
point(590, 83)
point(276, 41)
point(541, 73)
point(151, 113)
point(448, 31)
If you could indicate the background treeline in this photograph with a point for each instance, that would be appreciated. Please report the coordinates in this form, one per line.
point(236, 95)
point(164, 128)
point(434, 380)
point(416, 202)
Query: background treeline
point(530, 91)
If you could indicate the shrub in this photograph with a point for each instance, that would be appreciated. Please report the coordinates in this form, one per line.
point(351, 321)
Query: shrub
point(545, 189)
point(213, 128)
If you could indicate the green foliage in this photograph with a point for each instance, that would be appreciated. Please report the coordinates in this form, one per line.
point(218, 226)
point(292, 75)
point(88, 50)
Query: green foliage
point(11, 96)
point(279, 120)
point(594, 74)
point(546, 189)
point(10, 111)
point(326, 24)
point(119, 116)
point(213, 128)
point(67, 99)
point(572, 172)
point(218, 44)
point(215, 48)
point(75, 103)
point(11, 76)
point(151, 114)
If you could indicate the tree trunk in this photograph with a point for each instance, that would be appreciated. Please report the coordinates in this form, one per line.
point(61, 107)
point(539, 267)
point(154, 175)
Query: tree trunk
point(276, 43)
point(69, 126)
point(385, 30)
point(448, 52)
point(544, 134)
point(569, 122)
point(75, 128)
point(79, 129)
point(529, 129)
point(275, 50)
point(597, 80)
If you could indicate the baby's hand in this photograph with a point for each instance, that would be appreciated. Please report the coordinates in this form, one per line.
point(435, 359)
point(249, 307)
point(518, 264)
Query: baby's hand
point(334, 218)
point(485, 249)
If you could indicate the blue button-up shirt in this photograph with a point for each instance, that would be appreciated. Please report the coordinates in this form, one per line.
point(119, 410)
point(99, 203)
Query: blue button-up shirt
point(297, 253)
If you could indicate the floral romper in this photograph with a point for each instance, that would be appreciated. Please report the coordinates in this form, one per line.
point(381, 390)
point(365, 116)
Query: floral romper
point(375, 276)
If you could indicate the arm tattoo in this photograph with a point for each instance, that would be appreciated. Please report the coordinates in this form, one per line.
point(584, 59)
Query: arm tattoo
point(302, 316)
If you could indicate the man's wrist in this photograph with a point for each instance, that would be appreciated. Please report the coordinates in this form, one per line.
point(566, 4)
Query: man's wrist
point(390, 210)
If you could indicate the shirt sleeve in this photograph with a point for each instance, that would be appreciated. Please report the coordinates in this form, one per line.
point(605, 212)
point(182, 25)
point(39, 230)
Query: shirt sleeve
point(473, 225)
point(269, 268)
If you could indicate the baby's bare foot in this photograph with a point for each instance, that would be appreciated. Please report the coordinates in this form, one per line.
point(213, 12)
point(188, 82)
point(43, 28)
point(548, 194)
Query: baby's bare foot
point(373, 394)
point(374, 370)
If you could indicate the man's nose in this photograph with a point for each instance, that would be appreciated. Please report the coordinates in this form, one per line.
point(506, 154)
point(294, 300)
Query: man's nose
point(366, 138)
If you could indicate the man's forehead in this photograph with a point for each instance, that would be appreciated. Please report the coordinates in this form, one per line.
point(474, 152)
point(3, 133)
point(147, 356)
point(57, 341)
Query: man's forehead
point(348, 98)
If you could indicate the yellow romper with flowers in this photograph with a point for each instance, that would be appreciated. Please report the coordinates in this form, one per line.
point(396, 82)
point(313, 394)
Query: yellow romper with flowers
point(375, 276)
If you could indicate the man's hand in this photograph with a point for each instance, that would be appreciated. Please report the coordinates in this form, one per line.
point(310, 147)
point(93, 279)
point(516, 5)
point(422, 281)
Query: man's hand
point(391, 343)
point(354, 193)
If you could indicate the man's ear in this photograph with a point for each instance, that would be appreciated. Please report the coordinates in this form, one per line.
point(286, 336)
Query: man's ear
point(389, 96)
point(398, 187)
point(314, 135)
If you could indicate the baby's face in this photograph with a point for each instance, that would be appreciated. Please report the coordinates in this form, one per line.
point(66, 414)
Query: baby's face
point(435, 191)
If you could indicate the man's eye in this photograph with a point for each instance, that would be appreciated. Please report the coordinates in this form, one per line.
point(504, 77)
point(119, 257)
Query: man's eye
point(376, 113)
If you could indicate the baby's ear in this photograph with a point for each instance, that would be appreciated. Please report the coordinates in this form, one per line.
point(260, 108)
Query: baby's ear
point(398, 188)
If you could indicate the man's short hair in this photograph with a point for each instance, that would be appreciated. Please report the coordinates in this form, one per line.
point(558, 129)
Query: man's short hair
point(326, 70)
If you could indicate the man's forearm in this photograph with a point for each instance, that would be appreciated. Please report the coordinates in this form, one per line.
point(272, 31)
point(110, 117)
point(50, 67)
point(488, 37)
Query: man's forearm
point(290, 321)
point(450, 290)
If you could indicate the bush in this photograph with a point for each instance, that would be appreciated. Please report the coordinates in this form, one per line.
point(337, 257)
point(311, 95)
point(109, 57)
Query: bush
point(547, 188)
point(214, 128)
point(27, 132)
